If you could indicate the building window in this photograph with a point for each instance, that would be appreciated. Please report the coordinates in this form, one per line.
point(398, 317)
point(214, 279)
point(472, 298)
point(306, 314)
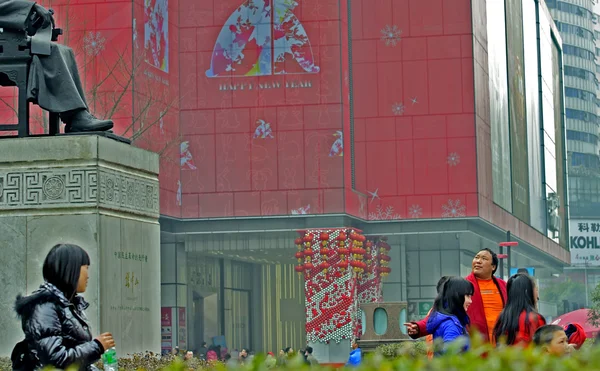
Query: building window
point(575, 30)
point(582, 137)
point(581, 94)
point(578, 52)
point(570, 8)
point(580, 72)
point(585, 160)
point(581, 115)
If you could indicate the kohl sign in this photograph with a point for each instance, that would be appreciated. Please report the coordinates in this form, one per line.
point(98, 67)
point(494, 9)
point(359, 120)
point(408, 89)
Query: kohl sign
point(584, 242)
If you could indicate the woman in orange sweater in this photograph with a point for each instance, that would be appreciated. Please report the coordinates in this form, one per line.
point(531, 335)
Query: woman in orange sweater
point(519, 319)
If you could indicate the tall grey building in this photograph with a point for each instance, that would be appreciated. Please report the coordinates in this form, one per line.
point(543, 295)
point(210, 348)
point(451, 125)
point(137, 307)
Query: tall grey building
point(577, 21)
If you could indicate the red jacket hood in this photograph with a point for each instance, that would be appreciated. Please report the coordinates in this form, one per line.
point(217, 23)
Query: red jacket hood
point(476, 312)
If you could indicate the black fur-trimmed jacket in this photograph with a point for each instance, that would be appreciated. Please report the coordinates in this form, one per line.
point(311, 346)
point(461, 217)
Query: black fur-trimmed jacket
point(57, 330)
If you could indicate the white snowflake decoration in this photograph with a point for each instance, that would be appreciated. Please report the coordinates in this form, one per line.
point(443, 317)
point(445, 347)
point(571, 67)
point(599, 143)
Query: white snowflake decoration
point(453, 209)
point(93, 43)
point(414, 100)
point(415, 211)
point(397, 109)
point(453, 159)
point(391, 35)
point(374, 195)
point(384, 214)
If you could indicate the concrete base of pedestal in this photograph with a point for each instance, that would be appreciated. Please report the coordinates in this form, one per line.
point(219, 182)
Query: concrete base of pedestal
point(332, 353)
point(97, 193)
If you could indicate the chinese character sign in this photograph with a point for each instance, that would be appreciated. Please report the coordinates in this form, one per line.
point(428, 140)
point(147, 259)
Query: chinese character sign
point(583, 242)
point(182, 329)
point(166, 329)
point(131, 280)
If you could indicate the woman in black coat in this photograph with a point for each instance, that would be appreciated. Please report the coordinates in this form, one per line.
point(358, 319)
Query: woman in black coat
point(56, 329)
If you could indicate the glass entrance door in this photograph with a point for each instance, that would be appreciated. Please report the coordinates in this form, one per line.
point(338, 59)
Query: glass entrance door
point(237, 319)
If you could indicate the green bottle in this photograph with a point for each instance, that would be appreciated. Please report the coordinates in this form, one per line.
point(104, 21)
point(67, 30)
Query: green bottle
point(109, 358)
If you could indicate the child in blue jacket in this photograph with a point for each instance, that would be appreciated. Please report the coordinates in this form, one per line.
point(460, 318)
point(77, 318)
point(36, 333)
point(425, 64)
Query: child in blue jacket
point(355, 355)
point(448, 321)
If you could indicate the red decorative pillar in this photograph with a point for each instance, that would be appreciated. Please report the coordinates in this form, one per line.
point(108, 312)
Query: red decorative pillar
point(341, 270)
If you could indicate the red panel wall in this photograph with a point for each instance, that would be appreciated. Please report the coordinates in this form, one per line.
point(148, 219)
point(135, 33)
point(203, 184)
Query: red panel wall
point(246, 101)
point(239, 166)
point(413, 101)
point(121, 78)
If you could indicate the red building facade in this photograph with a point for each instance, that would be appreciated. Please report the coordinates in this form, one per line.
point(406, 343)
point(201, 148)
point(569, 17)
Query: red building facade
point(378, 107)
point(412, 115)
point(277, 115)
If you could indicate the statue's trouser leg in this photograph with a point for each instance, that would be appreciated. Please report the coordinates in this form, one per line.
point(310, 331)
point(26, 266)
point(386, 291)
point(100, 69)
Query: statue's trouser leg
point(54, 82)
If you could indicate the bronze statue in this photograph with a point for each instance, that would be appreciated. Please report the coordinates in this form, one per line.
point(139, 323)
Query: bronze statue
point(53, 82)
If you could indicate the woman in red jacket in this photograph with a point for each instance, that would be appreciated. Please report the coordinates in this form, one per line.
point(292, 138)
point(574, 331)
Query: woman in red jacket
point(519, 319)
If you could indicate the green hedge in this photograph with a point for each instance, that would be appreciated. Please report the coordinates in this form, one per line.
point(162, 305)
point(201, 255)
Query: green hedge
point(406, 357)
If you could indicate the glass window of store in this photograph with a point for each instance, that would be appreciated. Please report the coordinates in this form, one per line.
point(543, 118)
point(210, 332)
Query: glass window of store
point(517, 110)
point(243, 292)
point(429, 257)
point(554, 134)
point(559, 200)
point(497, 65)
point(538, 209)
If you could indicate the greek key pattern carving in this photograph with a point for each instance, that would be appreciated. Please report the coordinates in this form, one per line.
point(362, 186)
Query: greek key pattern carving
point(127, 193)
point(51, 187)
point(83, 187)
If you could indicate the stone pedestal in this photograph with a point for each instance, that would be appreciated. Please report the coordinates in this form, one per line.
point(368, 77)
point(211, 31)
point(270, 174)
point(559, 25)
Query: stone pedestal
point(383, 324)
point(97, 193)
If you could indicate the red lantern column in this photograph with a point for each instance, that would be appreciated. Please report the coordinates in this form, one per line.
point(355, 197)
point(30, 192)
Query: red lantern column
point(384, 258)
point(299, 256)
point(333, 262)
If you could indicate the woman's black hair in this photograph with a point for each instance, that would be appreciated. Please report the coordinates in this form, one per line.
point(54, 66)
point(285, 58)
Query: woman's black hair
point(441, 282)
point(62, 267)
point(520, 298)
point(451, 299)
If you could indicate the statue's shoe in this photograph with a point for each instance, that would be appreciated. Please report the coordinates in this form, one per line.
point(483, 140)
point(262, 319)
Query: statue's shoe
point(85, 121)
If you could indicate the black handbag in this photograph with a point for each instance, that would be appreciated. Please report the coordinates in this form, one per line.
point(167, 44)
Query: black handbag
point(22, 358)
